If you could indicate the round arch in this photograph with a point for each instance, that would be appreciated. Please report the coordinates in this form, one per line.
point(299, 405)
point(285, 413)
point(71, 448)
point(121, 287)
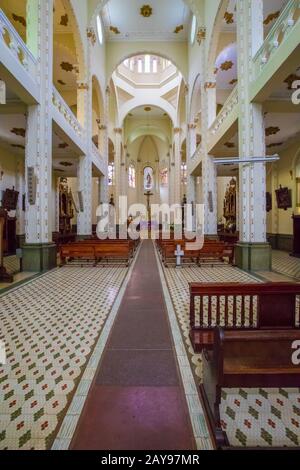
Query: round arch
point(214, 38)
point(147, 131)
point(158, 103)
point(120, 56)
point(80, 51)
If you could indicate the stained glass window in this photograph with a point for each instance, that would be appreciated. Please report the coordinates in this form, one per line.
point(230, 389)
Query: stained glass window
point(132, 176)
point(111, 174)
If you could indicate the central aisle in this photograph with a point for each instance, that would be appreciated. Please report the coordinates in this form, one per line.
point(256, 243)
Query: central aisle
point(137, 400)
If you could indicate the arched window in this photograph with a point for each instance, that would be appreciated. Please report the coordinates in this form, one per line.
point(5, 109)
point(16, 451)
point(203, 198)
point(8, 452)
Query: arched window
point(111, 174)
point(164, 177)
point(193, 29)
point(132, 176)
point(100, 29)
point(183, 173)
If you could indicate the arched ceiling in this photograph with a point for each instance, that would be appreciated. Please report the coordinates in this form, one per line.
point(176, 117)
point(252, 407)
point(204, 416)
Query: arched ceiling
point(168, 20)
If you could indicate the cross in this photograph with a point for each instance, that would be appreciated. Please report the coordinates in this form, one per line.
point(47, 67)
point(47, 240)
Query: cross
point(148, 194)
point(179, 253)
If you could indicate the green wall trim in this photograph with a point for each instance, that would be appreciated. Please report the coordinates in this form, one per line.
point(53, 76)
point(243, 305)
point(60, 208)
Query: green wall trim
point(39, 257)
point(253, 256)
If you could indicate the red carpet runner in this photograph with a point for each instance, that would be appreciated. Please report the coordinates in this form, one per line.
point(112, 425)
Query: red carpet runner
point(137, 401)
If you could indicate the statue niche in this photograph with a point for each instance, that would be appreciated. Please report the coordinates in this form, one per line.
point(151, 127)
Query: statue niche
point(230, 207)
point(66, 207)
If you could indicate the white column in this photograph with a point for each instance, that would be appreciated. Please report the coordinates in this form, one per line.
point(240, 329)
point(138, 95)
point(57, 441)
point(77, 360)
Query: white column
point(38, 154)
point(20, 187)
point(104, 197)
point(84, 169)
point(251, 125)
point(253, 252)
point(209, 173)
point(177, 167)
point(191, 149)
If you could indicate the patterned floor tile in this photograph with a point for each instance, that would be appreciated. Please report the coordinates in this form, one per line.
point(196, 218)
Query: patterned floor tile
point(283, 263)
point(49, 327)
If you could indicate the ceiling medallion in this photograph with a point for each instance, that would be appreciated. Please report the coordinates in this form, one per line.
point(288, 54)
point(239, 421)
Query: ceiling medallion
point(66, 164)
point(61, 82)
point(18, 146)
point(229, 145)
point(233, 81)
point(64, 21)
point(271, 17)
point(178, 29)
point(114, 29)
point(228, 17)
point(227, 65)
point(63, 145)
point(272, 131)
point(19, 19)
point(146, 11)
point(18, 131)
point(66, 66)
point(277, 144)
point(147, 109)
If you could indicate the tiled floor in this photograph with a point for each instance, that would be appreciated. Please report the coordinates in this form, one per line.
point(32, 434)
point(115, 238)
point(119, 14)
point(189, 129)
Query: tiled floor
point(285, 264)
point(263, 417)
point(12, 265)
point(49, 326)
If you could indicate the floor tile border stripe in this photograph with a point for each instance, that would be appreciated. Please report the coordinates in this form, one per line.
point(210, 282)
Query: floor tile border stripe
point(197, 416)
point(69, 424)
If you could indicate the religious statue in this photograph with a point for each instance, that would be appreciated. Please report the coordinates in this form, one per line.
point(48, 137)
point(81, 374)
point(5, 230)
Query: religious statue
point(230, 207)
point(66, 207)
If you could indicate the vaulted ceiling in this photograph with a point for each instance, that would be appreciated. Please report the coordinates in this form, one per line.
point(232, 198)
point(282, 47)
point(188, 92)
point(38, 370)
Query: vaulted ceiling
point(165, 20)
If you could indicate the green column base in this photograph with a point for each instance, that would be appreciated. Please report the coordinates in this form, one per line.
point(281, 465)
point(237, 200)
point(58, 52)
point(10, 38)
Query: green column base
point(253, 256)
point(20, 241)
point(39, 257)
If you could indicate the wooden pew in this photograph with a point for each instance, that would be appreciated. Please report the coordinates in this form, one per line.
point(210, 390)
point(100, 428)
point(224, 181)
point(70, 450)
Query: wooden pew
point(77, 251)
point(97, 251)
point(235, 306)
point(212, 252)
point(246, 359)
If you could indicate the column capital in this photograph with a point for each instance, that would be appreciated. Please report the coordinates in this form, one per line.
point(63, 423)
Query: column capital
point(201, 34)
point(91, 35)
point(192, 126)
point(177, 130)
point(107, 91)
point(82, 85)
point(210, 85)
point(118, 130)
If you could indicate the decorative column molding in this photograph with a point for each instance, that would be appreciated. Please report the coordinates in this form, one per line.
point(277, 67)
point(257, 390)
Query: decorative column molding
point(20, 187)
point(84, 169)
point(253, 252)
point(191, 149)
point(104, 194)
point(176, 170)
point(209, 174)
point(39, 251)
